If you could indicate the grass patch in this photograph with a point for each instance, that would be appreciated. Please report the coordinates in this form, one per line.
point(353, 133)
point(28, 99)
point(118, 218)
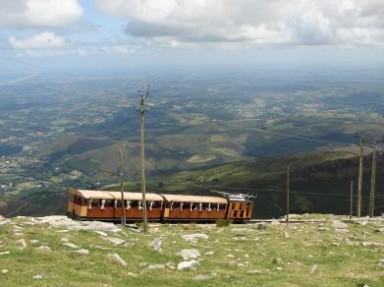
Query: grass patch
point(312, 254)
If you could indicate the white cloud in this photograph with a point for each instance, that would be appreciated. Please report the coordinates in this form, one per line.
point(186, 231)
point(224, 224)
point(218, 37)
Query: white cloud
point(301, 22)
point(42, 40)
point(38, 13)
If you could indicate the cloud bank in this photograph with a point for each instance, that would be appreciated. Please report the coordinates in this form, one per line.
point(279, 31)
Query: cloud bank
point(251, 22)
point(38, 13)
point(42, 40)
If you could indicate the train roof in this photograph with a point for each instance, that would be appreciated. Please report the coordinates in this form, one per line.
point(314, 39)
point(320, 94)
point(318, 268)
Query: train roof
point(104, 194)
point(194, 198)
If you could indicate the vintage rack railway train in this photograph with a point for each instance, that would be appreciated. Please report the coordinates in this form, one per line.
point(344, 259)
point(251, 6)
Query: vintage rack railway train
point(107, 206)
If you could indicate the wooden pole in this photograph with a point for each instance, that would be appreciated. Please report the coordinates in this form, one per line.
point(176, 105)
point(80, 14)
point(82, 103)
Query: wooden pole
point(287, 208)
point(142, 155)
point(123, 218)
point(351, 200)
point(373, 181)
point(360, 182)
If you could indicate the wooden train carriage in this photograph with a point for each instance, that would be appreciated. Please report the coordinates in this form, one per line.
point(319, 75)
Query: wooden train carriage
point(194, 208)
point(107, 205)
point(239, 208)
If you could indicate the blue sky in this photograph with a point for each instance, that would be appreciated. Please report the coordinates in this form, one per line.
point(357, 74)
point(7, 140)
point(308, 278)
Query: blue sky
point(121, 33)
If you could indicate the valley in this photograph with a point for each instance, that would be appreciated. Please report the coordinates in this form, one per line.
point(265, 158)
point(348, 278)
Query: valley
point(234, 129)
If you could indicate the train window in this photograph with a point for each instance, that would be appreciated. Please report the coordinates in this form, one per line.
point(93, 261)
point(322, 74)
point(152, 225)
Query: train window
point(108, 203)
point(234, 213)
point(78, 200)
point(135, 204)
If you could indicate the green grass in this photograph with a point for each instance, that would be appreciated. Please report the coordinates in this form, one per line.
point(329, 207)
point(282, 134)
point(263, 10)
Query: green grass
point(242, 256)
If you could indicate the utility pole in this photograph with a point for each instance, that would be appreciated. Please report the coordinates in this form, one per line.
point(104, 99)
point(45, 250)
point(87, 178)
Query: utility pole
point(121, 173)
point(142, 156)
point(351, 200)
point(287, 219)
point(373, 180)
point(360, 182)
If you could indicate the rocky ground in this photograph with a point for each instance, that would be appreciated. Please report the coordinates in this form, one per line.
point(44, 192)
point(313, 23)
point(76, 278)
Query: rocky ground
point(57, 251)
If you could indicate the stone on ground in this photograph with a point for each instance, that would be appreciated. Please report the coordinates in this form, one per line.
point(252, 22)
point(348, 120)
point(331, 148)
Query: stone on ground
point(188, 254)
point(188, 265)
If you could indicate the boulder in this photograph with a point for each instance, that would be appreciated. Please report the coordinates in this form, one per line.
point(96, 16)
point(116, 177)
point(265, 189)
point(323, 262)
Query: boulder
point(44, 248)
point(156, 266)
point(339, 225)
point(71, 245)
point(114, 241)
point(156, 244)
point(188, 254)
point(82, 252)
point(192, 264)
point(21, 244)
point(117, 259)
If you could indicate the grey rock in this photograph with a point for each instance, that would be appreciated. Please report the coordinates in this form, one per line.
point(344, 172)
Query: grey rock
point(156, 266)
point(371, 244)
point(68, 223)
point(209, 253)
point(117, 259)
point(82, 252)
point(339, 225)
point(4, 271)
point(314, 269)
point(71, 245)
point(114, 241)
point(188, 254)
point(5, 253)
point(101, 233)
point(38, 277)
point(156, 244)
point(21, 244)
point(44, 248)
point(192, 264)
point(203, 277)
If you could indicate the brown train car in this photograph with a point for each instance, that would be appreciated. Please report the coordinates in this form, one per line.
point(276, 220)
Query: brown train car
point(192, 207)
point(107, 206)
